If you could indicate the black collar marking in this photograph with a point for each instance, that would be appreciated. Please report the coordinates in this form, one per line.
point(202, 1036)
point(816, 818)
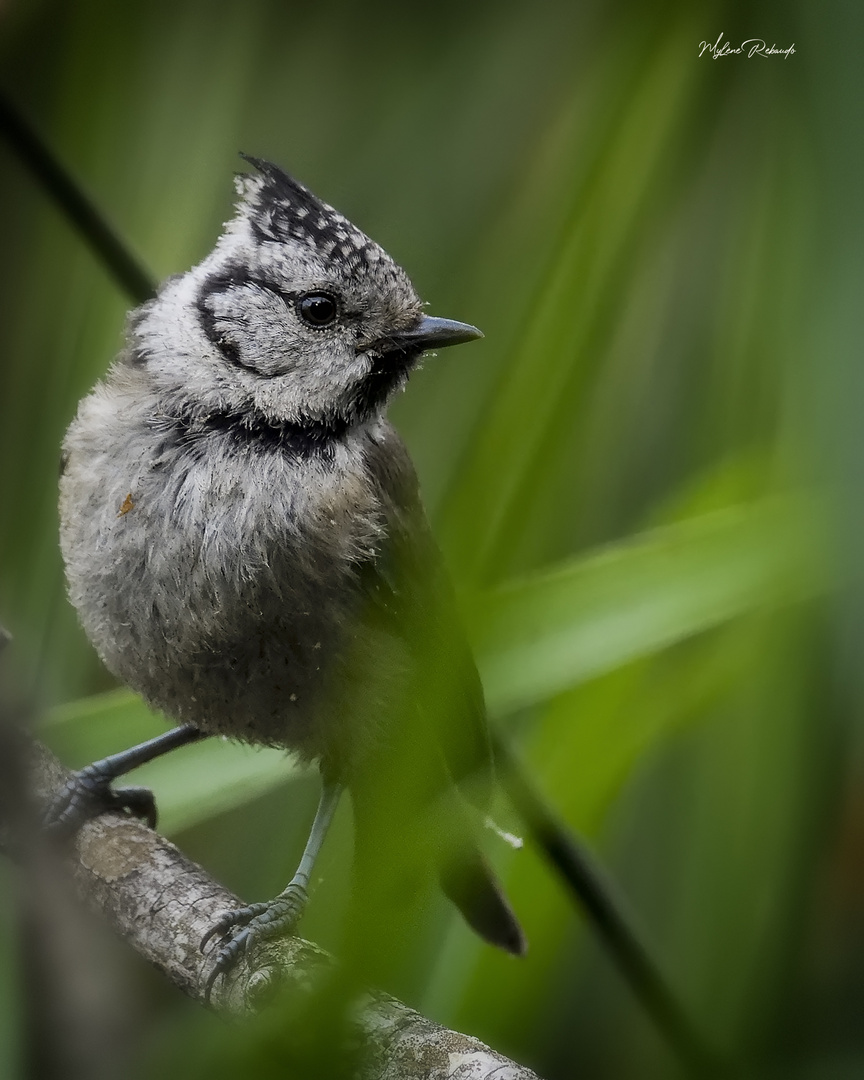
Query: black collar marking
point(300, 438)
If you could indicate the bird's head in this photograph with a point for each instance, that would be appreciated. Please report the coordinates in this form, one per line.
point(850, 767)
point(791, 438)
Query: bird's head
point(296, 316)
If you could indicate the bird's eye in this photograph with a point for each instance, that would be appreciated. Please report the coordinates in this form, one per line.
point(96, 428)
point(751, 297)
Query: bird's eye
point(317, 308)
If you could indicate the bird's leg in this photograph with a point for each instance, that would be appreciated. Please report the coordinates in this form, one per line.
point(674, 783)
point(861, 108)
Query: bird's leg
point(277, 916)
point(88, 792)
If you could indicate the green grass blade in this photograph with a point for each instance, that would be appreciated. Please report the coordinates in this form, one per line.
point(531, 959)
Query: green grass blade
point(548, 632)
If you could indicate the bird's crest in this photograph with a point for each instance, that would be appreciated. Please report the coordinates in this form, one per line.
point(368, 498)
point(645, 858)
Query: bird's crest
point(280, 209)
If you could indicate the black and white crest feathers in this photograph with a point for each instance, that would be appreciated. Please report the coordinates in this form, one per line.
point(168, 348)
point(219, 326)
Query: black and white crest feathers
point(281, 209)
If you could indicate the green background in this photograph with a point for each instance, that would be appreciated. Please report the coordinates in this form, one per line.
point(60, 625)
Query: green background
point(646, 478)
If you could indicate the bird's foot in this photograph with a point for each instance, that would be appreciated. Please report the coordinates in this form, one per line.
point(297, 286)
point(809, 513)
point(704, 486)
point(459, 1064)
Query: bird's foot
point(256, 922)
point(87, 794)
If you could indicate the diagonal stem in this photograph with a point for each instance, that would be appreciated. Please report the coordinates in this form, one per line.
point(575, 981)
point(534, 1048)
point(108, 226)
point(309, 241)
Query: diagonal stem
point(109, 248)
point(586, 880)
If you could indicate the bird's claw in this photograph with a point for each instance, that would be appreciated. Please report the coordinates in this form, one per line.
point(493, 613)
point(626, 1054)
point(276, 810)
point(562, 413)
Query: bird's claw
point(255, 922)
point(237, 917)
point(87, 794)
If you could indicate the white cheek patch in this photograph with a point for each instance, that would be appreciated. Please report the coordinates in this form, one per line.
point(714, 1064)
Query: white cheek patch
point(255, 328)
point(328, 372)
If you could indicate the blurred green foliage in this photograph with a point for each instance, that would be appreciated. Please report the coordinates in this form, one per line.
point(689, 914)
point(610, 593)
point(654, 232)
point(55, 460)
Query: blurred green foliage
point(646, 479)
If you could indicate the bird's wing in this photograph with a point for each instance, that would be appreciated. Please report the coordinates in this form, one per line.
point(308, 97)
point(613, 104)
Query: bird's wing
point(409, 591)
point(409, 805)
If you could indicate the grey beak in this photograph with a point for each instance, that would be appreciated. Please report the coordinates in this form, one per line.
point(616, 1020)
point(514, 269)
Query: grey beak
point(434, 333)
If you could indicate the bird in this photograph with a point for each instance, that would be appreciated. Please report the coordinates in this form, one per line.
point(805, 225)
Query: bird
point(246, 547)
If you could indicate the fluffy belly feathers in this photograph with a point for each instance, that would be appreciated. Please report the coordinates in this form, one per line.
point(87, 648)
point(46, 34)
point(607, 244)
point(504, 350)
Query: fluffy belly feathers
point(204, 595)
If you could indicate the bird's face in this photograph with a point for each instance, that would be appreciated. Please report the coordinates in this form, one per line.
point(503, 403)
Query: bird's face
point(297, 316)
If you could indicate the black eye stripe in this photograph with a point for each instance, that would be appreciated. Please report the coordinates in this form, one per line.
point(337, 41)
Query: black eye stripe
point(238, 277)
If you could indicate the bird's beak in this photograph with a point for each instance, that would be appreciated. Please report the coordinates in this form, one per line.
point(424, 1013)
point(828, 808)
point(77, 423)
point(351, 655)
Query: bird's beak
point(434, 333)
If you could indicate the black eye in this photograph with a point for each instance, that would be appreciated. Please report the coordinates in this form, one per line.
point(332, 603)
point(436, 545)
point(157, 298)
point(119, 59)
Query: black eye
point(317, 308)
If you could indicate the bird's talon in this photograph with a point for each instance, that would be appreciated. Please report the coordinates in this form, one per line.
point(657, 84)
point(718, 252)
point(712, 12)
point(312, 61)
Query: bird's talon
point(211, 981)
point(222, 925)
point(215, 929)
point(87, 794)
point(138, 801)
point(238, 917)
point(255, 922)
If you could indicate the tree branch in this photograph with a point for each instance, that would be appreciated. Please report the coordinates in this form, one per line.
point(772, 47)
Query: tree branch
point(161, 903)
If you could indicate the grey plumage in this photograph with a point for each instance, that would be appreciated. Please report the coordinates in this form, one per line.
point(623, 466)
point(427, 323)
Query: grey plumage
point(243, 537)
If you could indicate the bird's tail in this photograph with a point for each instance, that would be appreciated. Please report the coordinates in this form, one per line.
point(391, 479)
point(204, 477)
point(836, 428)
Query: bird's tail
point(469, 881)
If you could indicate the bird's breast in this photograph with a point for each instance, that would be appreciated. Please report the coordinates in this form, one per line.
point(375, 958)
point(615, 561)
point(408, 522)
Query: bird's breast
point(220, 581)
